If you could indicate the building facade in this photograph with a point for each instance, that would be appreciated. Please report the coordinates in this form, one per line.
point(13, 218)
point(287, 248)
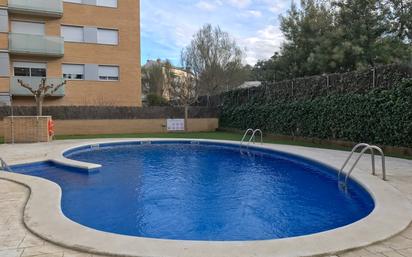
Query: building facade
point(162, 87)
point(92, 44)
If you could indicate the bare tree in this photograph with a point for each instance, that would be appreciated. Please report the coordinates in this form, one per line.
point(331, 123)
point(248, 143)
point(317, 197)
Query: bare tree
point(184, 92)
point(214, 58)
point(41, 92)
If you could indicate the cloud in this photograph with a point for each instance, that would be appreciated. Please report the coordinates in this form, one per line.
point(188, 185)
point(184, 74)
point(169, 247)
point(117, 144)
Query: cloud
point(264, 44)
point(207, 6)
point(253, 13)
point(278, 7)
point(168, 26)
point(240, 3)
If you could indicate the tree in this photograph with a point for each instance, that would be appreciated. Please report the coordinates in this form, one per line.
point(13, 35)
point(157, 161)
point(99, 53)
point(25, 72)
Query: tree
point(309, 37)
point(156, 100)
point(327, 36)
point(42, 91)
point(184, 92)
point(214, 58)
point(154, 77)
point(362, 23)
point(400, 18)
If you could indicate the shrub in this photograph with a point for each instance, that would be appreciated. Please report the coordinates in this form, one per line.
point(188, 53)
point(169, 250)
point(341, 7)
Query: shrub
point(380, 116)
point(156, 100)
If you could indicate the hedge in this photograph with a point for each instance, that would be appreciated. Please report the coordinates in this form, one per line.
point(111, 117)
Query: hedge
point(380, 116)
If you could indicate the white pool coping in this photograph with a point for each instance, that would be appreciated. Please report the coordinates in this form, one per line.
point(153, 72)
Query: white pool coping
point(43, 216)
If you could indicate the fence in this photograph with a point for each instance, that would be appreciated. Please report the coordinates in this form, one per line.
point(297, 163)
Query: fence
point(109, 112)
point(384, 77)
point(88, 120)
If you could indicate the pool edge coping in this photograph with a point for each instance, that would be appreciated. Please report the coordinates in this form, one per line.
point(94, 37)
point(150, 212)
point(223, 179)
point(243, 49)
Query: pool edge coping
point(44, 217)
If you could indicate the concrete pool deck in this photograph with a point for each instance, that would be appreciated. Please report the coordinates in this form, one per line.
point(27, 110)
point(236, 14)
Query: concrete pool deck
point(16, 240)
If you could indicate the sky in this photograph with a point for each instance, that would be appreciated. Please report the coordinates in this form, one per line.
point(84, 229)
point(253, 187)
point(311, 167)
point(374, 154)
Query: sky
point(168, 26)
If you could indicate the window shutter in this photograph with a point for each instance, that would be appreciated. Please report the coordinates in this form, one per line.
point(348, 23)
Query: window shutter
point(108, 36)
point(37, 65)
point(73, 1)
point(73, 69)
point(72, 33)
point(107, 3)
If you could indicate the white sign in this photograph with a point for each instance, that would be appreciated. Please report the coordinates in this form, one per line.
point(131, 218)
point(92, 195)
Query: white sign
point(175, 125)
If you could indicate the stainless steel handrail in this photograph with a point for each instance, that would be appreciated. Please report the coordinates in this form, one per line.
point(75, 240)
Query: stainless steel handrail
point(350, 156)
point(4, 166)
point(366, 147)
point(253, 137)
point(371, 148)
point(245, 135)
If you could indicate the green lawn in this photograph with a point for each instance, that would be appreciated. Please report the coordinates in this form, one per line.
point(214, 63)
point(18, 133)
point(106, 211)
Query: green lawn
point(204, 135)
point(215, 135)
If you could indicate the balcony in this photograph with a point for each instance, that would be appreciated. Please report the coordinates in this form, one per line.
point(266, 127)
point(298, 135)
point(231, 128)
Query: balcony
point(49, 8)
point(17, 90)
point(36, 45)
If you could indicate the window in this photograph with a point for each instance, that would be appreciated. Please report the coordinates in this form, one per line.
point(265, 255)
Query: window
point(110, 73)
point(107, 36)
point(73, 71)
point(73, 1)
point(24, 27)
point(72, 33)
point(107, 3)
point(29, 69)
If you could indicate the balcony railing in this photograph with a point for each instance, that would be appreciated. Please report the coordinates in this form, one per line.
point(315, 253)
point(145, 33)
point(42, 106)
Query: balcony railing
point(50, 8)
point(17, 90)
point(36, 45)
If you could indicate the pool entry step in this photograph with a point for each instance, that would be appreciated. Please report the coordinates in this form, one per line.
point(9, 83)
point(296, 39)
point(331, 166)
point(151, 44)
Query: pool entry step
point(365, 147)
point(252, 138)
point(4, 166)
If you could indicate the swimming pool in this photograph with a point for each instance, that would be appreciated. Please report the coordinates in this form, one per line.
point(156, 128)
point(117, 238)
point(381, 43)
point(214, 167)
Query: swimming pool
point(202, 191)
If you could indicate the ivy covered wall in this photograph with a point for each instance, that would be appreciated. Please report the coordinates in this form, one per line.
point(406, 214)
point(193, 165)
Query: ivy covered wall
point(379, 116)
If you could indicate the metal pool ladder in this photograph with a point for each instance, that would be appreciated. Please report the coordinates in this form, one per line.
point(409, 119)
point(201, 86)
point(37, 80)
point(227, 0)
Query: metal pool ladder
point(4, 166)
point(365, 148)
point(252, 138)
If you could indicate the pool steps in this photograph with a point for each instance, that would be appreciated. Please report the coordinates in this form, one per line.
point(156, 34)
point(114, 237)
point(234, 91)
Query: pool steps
point(365, 147)
point(4, 166)
point(95, 146)
point(252, 138)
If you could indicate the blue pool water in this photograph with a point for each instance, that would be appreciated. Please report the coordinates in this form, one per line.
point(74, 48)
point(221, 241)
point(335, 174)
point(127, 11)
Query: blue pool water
point(206, 191)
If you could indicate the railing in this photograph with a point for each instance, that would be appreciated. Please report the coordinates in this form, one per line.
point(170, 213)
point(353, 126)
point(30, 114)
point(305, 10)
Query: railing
point(245, 135)
point(252, 138)
point(365, 148)
point(51, 8)
point(4, 166)
point(17, 90)
point(36, 44)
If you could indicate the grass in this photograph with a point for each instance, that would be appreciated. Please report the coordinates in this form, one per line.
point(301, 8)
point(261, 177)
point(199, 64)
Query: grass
point(215, 135)
point(204, 135)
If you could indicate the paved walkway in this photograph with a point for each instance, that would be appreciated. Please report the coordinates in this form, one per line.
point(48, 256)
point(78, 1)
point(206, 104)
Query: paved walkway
point(17, 241)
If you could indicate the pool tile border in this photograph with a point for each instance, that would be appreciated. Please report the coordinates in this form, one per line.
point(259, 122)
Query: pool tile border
point(43, 216)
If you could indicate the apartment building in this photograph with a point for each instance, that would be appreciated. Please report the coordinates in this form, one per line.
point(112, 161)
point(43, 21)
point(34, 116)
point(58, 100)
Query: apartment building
point(152, 68)
point(92, 44)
